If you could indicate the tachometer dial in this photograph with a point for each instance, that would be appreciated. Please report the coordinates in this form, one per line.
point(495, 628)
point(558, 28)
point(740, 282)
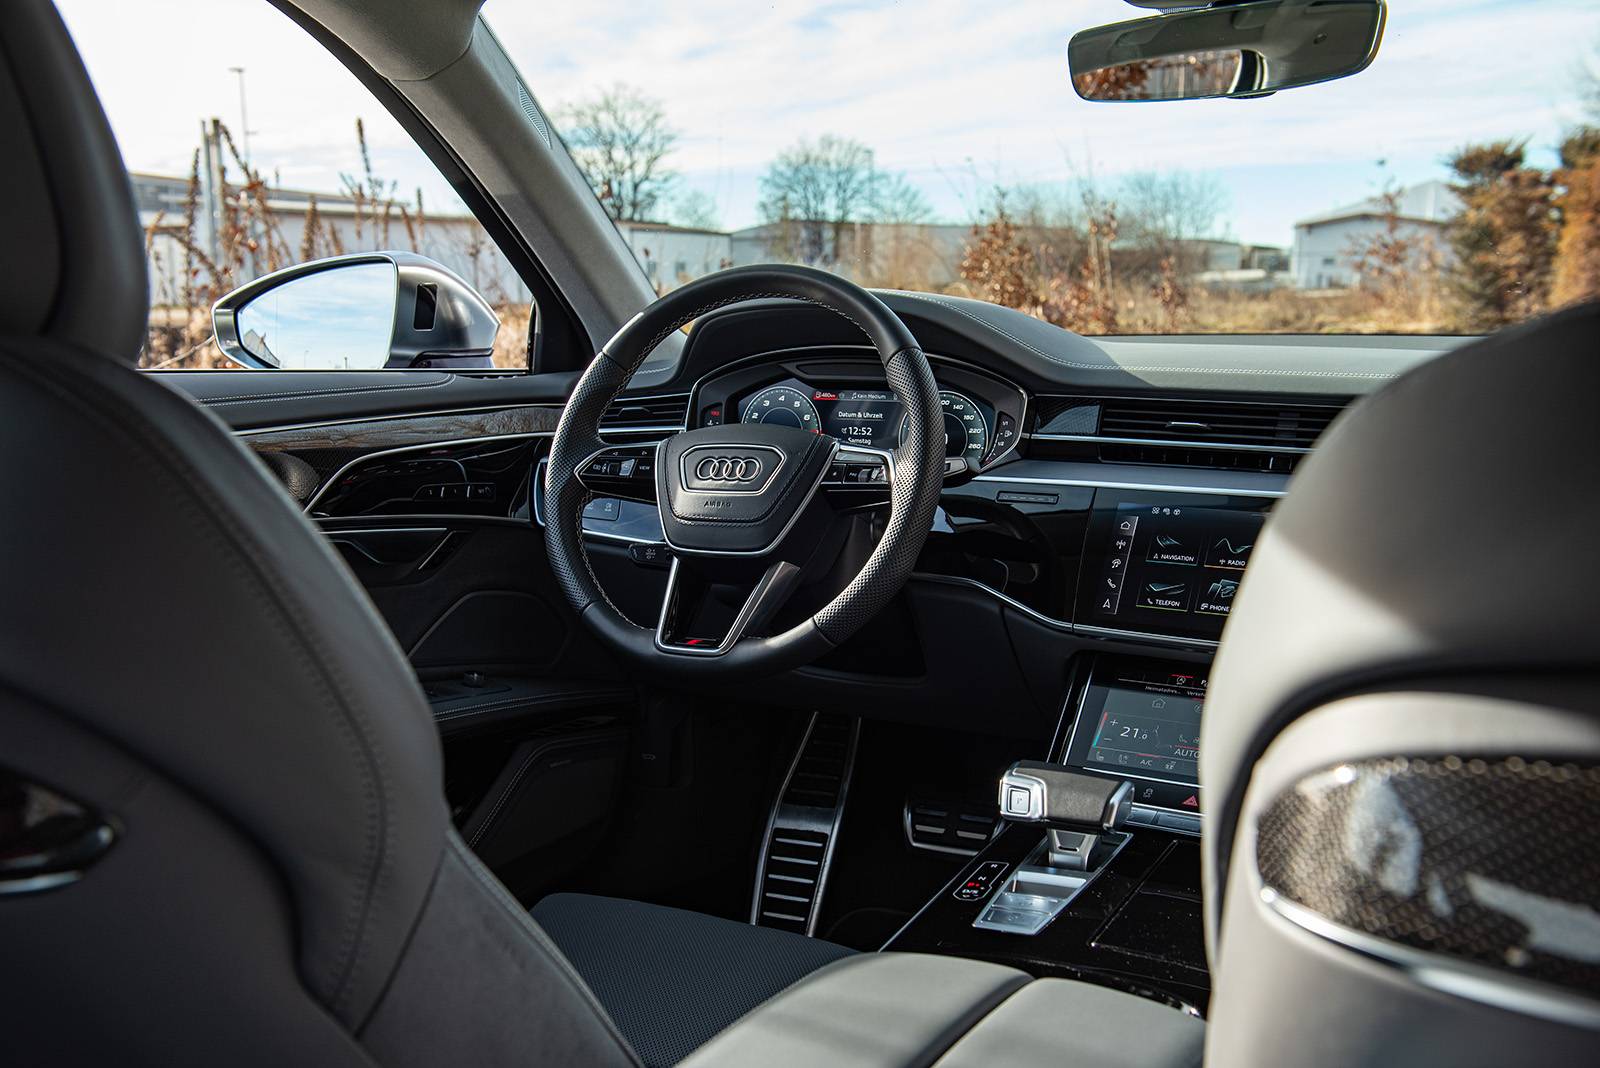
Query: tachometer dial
point(965, 431)
point(782, 406)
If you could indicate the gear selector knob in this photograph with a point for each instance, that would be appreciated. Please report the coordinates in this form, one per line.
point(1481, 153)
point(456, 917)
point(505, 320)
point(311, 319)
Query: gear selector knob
point(1036, 792)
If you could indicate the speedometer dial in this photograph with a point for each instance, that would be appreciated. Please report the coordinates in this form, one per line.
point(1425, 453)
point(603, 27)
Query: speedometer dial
point(965, 432)
point(782, 406)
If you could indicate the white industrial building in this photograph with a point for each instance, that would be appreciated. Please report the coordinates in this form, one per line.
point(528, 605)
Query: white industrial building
point(455, 240)
point(1324, 253)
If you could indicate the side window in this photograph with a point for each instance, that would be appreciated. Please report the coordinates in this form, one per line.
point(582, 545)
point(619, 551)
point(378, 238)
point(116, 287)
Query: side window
point(252, 153)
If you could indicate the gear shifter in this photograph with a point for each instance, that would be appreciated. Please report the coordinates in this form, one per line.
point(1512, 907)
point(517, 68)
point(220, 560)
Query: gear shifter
point(1081, 814)
point(1077, 808)
point(1034, 791)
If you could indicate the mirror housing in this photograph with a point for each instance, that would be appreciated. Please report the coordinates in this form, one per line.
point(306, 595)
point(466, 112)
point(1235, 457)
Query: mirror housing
point(1234, 50)
point(365, 311)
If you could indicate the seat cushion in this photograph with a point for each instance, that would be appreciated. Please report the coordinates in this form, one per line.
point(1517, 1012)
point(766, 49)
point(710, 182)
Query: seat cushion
point(673, 979)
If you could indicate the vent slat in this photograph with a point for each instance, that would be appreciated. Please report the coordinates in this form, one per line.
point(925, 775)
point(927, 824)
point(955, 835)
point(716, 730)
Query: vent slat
point(646, 411)
point(1226, 434)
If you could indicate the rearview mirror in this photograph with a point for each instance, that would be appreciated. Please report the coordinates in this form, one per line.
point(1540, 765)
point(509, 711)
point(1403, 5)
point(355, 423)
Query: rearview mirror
point(1249, 49)
point(366, 311)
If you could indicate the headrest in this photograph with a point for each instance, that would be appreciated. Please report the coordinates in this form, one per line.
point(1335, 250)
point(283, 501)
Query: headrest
point(71, 256)
point(1445, 527)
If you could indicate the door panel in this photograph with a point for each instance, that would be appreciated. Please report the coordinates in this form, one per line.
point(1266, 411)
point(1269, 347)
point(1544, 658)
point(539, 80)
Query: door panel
point(264, 399)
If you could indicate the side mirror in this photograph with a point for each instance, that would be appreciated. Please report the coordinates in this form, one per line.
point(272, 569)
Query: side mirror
point(366, 311)
point(1247, 49)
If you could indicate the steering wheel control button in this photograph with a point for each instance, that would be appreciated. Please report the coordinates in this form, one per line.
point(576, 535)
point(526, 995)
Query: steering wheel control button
point(976, 886)
point(603, 508)
point(650, 554)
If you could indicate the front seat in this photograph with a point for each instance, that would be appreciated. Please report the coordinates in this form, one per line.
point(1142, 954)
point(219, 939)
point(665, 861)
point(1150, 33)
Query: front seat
point(231, 775)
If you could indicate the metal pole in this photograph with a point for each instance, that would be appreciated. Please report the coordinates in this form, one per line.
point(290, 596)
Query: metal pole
point(244, 117)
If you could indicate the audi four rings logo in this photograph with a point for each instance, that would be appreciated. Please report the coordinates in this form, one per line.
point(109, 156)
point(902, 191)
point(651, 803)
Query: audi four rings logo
point(728, 469)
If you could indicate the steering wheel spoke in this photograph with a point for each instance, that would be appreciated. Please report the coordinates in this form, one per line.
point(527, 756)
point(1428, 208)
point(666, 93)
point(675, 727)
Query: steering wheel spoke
point(692, 604)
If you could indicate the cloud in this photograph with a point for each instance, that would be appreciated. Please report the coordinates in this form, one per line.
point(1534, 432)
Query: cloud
point(955, 93)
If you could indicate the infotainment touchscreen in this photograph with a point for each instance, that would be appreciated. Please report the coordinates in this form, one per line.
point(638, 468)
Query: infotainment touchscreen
point(1166, 563)
point(1140, 720)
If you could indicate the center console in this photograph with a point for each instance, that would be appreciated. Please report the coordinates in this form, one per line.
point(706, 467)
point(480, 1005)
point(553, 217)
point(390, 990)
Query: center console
point(1095, 872)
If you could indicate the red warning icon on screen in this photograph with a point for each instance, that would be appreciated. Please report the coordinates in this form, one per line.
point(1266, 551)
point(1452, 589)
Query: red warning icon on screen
point(1192, 801)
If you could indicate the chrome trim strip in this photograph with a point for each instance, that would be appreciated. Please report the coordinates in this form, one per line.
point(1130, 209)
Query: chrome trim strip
point(959, 580)
point(1139, 635)
point(322, 491)
point(1462, 979)
point(641, 430)
point(1231, 446)
point(1082, 629)
point(1152, 487)
point(323, 521)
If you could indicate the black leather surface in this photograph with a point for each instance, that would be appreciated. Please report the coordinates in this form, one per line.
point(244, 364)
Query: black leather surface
point(671, 979)
point(71, 252)
point(178, 603)
point(742, 518)
point(1444, 524)
point(184, 651)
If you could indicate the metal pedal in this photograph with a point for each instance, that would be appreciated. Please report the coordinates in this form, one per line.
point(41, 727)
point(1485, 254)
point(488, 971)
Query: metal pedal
point(956, 827)
point(793, 869)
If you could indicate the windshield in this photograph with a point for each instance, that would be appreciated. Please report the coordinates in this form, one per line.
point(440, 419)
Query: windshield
point(1452, 187)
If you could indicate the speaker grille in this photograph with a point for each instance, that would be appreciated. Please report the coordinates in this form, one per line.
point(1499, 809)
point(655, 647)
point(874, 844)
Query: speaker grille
point(1492, 861)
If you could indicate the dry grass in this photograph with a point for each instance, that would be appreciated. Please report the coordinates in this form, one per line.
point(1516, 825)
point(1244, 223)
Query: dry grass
point(250, 242)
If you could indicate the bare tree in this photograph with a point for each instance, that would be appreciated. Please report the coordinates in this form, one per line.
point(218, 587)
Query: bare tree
point(814, 189)
point(896, 200)
point(1164, 215)
point(620, 139)
point(695, 209)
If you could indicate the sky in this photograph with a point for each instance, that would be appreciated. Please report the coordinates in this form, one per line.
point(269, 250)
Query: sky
point(959, 96)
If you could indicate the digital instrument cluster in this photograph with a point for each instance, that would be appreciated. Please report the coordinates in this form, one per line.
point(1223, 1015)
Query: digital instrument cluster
point(869, 418)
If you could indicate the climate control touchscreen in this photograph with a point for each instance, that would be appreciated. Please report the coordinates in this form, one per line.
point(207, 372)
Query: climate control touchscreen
point(1166, 563)
point(1140, 720)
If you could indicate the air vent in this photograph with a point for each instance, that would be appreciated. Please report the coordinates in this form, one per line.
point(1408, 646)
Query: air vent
point(643, 415)
point(1230, 435)
point(1275, 426)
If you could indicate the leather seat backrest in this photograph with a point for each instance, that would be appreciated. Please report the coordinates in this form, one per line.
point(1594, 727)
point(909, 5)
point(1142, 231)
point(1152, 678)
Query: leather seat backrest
point(184, 654)
point(1401, 747)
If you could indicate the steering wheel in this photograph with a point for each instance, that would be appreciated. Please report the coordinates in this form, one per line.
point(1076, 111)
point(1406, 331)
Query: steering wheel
point(739, 504)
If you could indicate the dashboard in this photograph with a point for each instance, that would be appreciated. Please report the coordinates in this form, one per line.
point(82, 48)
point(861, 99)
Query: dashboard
point(1102, 497)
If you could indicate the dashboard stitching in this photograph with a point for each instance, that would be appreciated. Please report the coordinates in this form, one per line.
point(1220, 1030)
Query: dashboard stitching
point(1075, 365)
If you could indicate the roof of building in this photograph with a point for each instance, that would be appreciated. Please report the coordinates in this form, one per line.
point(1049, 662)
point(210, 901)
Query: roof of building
point(1433, 202)
point(667, 228)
